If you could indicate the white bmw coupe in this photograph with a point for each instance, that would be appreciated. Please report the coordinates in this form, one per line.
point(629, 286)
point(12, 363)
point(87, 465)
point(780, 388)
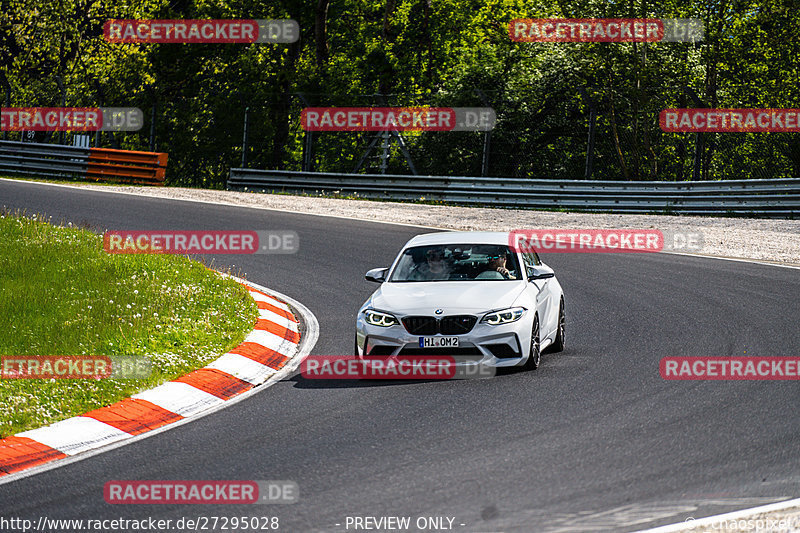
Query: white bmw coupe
point(468, 294)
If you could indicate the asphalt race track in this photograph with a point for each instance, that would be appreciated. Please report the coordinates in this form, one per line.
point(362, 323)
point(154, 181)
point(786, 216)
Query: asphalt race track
point(594, 440)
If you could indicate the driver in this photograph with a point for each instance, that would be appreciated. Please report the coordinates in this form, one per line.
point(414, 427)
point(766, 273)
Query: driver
point(497, 262)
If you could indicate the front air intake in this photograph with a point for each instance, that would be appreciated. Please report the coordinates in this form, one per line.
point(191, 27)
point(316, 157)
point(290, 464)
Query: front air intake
point(448, 325)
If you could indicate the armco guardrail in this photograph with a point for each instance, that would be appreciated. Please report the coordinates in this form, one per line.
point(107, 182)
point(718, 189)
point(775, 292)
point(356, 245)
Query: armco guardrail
point(777, 198)
point(71, 162)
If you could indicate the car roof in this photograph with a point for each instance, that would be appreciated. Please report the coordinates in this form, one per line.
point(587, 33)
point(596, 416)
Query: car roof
point(460, 237)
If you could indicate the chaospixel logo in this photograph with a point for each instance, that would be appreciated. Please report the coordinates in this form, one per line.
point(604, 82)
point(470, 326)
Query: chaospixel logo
point(729, 120)
point(201, 31)
point(730, 368)
point(397, 119)
point(626, 30)
point(201, 242)
point(200, 492)
point(71, 119)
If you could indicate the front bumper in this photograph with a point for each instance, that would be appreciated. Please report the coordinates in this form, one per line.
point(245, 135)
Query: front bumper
point(498, 346)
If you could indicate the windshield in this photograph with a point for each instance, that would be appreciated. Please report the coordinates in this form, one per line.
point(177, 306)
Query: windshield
point(457, 262)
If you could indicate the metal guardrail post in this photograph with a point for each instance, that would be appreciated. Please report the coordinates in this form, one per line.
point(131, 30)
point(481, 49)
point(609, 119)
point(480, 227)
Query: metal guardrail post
point(384, 150)
point(487, 137)
point(63, 104)
point(244, 137)
point(153, 128)
point(587, 173)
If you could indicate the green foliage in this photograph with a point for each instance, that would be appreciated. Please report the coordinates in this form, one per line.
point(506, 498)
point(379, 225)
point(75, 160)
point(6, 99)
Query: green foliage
point(421, 52)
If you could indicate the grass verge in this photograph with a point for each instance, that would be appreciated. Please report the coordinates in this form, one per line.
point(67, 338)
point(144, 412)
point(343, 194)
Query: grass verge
point(61, 294)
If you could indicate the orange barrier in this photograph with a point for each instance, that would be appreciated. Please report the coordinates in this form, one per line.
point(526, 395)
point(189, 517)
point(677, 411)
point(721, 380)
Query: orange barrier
point(147, 168)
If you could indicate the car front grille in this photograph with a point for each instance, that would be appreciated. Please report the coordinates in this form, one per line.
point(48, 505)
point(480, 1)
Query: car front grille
point(456, 325)
point(421, 325)
point(448, 325)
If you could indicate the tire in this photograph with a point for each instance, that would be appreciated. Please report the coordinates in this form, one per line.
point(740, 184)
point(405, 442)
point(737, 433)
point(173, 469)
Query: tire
point(561, 336)
point(535, 355)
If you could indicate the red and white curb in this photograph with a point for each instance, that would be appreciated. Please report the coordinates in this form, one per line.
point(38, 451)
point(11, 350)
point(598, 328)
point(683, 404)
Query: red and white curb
point(272, 351)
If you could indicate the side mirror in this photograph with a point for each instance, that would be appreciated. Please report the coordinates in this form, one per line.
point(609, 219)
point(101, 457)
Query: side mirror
point(540, 272)
point(378, 275)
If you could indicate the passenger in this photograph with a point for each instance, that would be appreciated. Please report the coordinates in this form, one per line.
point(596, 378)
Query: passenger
point(435, 267)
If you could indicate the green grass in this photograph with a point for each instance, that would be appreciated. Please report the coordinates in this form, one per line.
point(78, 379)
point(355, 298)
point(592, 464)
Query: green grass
point(61, 294)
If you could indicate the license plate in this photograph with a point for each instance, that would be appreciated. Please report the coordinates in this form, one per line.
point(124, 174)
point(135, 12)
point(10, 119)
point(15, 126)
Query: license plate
point(438, 342)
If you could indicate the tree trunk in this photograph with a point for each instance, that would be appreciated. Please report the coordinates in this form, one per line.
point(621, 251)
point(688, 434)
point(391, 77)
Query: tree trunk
point(620, 155)
point(280, 111)
point(321, 34)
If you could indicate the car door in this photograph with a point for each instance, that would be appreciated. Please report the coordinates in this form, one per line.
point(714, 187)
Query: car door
point(542, 291)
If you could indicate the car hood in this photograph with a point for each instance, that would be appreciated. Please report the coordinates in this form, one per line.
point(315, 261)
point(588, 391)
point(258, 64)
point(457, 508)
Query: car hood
point(451, 297)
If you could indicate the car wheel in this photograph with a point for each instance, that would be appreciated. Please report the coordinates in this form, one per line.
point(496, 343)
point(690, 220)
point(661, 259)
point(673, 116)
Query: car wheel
point(561, 336)
point(535, 355)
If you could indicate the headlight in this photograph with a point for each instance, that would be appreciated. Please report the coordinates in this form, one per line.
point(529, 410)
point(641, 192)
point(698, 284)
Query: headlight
point(376, 318)
point(504, 317)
